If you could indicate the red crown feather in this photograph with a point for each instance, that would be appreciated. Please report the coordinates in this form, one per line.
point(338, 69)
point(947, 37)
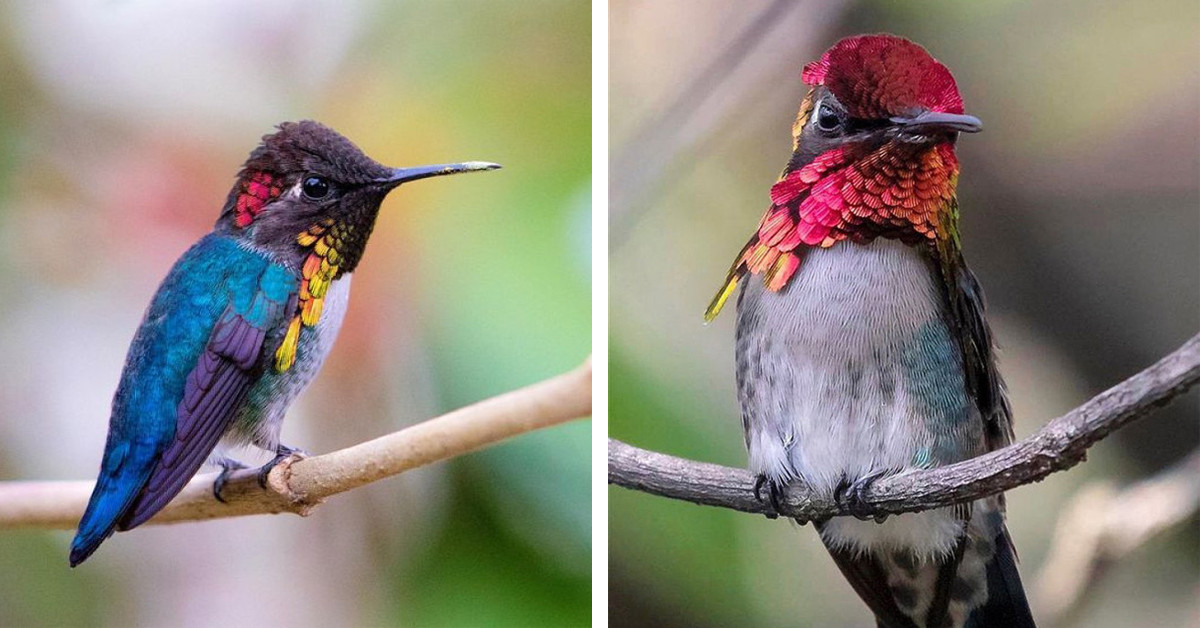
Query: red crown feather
point(879, 76)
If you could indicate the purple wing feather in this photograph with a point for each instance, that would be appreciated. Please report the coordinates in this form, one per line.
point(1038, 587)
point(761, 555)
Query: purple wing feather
point(214, 390)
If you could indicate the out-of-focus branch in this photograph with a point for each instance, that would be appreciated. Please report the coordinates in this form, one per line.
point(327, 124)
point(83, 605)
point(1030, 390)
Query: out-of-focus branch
point(1101, 525)
point(299, 484)
point(715, 90)
point(1060, 445)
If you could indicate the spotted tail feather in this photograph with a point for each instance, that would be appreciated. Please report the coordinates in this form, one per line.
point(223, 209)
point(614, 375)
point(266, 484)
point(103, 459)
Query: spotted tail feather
point(1006, 604)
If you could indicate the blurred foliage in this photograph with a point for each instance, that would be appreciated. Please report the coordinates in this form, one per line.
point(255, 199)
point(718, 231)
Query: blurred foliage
point(668, 530)
point(121, 128)
point(1079, 213)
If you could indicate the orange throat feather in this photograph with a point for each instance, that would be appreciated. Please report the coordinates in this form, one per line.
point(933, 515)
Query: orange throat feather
point(326, 242)
point(894, 190)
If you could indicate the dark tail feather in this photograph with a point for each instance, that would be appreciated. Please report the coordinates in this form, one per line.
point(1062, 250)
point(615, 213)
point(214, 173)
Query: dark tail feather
point(1006, 605)
point(869, 581)
point(122, 477)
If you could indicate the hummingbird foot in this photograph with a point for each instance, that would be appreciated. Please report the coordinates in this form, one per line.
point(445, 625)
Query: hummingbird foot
point(774, 493)
point(851, 496)
point(228, 466)
point(282, 452)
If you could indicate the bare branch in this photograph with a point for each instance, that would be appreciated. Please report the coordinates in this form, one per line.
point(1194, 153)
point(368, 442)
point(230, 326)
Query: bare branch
point(710, 96)
point(1101, 525)
point(300, 484)
point(1059, 445)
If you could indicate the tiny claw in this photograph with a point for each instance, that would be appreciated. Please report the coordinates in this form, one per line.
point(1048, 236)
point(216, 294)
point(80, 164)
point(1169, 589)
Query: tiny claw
point(228, 466)
point(265, 470)
point(776, 490)
point(851, 496)
point(282, 452)
point(759, 482)
point(839, 491)
point(774, 494)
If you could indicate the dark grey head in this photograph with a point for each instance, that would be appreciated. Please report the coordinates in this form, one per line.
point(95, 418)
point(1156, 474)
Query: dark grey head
point(307, 180)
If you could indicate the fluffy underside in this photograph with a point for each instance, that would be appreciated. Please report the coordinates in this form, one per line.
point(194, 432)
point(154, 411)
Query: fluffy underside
point(857, 374)
point(260, 419)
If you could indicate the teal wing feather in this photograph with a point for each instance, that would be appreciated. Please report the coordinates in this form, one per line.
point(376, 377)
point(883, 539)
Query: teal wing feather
point(966, 315)
point(231, 362)
point(204, 330)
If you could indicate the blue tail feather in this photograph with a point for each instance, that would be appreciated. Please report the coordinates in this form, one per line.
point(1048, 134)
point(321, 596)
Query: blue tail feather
point(124, 473)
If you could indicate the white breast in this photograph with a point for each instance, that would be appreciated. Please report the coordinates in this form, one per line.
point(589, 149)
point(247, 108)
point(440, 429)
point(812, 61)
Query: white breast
point(274, 393)
point(821, 381)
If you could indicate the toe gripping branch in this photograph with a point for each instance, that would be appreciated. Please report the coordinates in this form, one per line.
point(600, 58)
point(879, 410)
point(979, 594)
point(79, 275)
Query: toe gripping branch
point(282, 452)
point(850, 496)
point(774, 495)
point(229, 466)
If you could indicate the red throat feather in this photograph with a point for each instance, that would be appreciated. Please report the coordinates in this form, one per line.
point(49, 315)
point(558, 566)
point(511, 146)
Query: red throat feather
point(257, 188)
point(854, 191)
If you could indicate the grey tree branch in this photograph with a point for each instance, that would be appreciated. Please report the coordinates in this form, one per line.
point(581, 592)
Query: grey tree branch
point(300, 484)
point(1060, 445)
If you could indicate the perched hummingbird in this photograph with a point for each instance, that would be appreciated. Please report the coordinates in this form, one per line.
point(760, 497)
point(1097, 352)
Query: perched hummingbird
point(242, 323)
point(864, 351)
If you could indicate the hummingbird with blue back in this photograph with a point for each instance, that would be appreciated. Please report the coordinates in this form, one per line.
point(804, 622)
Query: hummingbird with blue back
point(862, 346)
point(242, 323)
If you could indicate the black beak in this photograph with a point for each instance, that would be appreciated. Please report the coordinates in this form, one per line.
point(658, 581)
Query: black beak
point(935, 121)
point(404, 175)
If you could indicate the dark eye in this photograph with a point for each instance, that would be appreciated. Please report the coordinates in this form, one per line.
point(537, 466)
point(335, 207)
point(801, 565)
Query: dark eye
point(315, 188)
point(828, 120)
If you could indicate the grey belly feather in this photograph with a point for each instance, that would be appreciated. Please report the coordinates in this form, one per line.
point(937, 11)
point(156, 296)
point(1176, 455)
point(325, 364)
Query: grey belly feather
point(851, 369)
point(260, 418)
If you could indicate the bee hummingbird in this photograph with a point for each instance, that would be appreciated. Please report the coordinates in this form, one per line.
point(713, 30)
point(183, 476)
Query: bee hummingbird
point(242, 322)
point(863, 349)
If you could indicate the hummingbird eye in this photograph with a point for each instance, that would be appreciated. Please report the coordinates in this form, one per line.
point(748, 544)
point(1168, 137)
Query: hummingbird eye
point(315, 188)
point(828, 119)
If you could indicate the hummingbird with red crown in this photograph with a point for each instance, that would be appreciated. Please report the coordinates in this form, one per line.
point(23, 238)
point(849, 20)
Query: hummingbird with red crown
point(242, 323)
point(862, 347)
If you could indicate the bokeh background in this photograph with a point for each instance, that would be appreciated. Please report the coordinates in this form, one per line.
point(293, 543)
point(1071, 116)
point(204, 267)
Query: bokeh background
point(122, 125)
point(1080, 214)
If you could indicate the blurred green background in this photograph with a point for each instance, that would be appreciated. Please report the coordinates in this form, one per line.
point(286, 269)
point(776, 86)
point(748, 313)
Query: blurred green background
point(1080, 214)
point(122, 125)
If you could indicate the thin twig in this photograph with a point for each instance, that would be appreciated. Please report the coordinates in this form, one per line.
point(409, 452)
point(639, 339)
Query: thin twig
point(640, 162)
point(1060, 445)
point(299, 484)
point(711, 95)
point(1102, 525)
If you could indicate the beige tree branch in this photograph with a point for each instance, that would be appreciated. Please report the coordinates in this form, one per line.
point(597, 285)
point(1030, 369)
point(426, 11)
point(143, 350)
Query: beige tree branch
point(1101, 525)
point(300, 484)
point(1060, 445)
point(715, 90)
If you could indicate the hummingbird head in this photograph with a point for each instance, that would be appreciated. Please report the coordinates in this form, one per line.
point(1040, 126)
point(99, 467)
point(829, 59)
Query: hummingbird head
point(870, 91)
point(308, 189)
point(872, 156)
